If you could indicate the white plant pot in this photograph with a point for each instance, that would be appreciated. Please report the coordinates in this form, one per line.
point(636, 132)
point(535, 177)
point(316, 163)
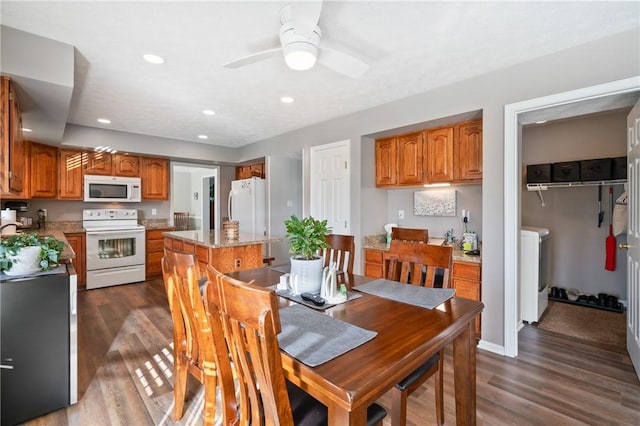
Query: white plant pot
point(27, 261)
point(306, 275)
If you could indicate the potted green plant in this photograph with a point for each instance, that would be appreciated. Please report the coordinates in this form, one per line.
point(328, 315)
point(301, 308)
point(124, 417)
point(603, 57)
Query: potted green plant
point(306, 238)
point(26, 253)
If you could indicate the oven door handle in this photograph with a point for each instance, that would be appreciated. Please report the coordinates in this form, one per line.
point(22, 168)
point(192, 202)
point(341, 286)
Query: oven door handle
point(116, 232)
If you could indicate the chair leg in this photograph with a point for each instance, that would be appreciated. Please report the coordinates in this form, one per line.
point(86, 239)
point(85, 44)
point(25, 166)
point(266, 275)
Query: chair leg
point(179, 386)
point(439, 390)
point(398, 407)
point(210, 384)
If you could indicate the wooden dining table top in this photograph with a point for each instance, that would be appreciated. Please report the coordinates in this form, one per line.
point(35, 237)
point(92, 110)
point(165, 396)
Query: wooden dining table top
point(406, 337)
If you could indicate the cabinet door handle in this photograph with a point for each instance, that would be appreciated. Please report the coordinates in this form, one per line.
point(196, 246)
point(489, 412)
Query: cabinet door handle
point(6, 367)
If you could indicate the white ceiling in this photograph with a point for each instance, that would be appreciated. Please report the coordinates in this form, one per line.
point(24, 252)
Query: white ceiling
point(411, 47)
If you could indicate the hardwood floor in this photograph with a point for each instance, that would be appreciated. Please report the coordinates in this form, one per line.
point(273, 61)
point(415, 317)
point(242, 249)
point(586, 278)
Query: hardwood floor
point(125, 367)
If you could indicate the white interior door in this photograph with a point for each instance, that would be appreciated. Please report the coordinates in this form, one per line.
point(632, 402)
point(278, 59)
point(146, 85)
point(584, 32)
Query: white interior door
point(329, 185)
point(633, 238)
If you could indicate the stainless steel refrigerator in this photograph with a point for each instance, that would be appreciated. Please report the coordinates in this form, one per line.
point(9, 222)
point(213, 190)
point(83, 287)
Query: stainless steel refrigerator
point(248, 205)
point(38, 326)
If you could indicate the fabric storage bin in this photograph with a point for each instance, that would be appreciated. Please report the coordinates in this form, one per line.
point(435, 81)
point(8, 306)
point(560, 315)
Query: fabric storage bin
point(539, 173)
point(568, 171)
point(599, 169)
point(619, 168)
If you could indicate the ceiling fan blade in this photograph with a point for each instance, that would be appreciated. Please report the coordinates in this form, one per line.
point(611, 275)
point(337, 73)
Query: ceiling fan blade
point(342, 62)
point(256, 57)
point(305, 15)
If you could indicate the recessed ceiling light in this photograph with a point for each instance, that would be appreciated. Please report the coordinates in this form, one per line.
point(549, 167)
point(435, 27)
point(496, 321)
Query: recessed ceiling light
point(203, 137)
point(541, 122)
point(287, 99)
point(104, 121)
point(24, 129)
point(153, 59)
point(208, 112)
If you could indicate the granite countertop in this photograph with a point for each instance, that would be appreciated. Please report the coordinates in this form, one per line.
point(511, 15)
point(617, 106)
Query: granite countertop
point(378, 242)
point(67, 251)
point(216, 239)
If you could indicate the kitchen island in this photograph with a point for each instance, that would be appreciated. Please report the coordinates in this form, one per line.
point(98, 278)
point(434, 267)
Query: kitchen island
point(212, 248)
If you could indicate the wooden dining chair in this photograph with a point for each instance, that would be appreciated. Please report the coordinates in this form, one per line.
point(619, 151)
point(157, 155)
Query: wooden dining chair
point(410, 234)
point(196, 336)
point(423, 265)
point(251, 323)
point(341, 250)
point(181, 221)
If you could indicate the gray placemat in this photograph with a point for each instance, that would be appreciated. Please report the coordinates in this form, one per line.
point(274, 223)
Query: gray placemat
point(296, 298)
point(314, 338)
point(281, 268)
point(424, 297)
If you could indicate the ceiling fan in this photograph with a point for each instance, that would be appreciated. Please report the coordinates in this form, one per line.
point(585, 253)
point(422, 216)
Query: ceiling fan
point(300, 43)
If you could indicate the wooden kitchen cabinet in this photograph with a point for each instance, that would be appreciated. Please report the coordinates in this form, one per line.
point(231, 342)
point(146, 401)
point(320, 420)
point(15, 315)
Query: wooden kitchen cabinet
point(373, 263)
point(448, 154)
point(247, 171)
point(44, 171)
point(468, 151)
point(154, 245)
point(98, 163)
point(466, 279)
point(386, 162)
point(70, 174)
point(77, 241)
point(107, 164)
point(439, 155)
point(126, 165)
point(410, 162)
point(12, 154)
point(155, 178)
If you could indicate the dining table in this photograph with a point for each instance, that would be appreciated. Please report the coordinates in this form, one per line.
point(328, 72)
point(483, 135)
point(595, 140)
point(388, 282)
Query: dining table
point(406, 337)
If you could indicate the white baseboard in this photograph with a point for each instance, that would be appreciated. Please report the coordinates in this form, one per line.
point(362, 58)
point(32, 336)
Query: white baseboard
point(491, 347)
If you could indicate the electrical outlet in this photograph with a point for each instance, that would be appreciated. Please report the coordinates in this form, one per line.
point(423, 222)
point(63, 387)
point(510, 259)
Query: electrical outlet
point(45, 212)
point(463, 214)
point(468, 216)
point(400, 214)
point(154, 212)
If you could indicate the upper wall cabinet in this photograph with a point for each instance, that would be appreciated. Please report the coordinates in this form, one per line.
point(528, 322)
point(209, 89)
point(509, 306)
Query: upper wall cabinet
point(155, 178)
point(469, 151)
point(103, 163)
point(439, 155)
point(44, 171)
point(450, 154)
point(247, 171)
point(386, 162)
point(12, 154)
point(70, 174)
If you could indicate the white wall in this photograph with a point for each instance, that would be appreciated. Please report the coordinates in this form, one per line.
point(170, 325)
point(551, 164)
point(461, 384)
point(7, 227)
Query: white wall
point(579, 67)
point(577, 245)
point(284, 183)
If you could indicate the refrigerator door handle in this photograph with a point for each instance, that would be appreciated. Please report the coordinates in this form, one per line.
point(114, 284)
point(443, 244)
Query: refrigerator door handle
point(229, 205)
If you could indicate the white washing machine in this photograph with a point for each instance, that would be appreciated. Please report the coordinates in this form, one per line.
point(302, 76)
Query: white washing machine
point(535, 272)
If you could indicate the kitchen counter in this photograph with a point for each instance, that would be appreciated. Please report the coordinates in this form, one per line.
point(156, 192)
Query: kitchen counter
point(67, 252)
point(378, 242)
point(215, 239)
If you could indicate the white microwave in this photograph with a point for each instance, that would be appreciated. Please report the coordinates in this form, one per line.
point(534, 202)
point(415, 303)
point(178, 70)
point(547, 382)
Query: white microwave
point(112, 189)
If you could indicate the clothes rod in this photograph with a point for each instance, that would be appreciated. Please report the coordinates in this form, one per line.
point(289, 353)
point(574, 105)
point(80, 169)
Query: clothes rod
point(537, 187)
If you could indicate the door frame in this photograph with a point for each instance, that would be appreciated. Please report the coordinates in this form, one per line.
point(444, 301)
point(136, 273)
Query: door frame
point(513, 184)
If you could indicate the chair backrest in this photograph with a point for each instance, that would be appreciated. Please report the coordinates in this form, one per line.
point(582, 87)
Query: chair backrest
point(251, 322)
point(410, 234)
point(342, 251)
point(418, 263)
point(181, 221)
point(203, 334)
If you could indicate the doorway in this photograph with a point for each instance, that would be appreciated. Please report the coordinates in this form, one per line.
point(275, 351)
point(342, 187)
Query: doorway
point(195, 189)
point(514, 113)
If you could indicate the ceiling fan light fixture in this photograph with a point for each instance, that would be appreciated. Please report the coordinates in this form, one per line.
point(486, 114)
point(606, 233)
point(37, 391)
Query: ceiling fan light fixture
point(300, 56)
